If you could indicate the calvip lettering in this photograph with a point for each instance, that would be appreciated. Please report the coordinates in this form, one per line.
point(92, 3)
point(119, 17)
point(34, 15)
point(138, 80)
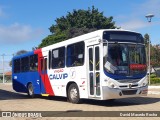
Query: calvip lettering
point(58, 76)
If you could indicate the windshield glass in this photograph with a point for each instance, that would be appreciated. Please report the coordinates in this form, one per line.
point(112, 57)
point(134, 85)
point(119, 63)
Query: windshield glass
point(125, 59)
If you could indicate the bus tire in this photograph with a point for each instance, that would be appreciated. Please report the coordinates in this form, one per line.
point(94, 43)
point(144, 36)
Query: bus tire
point(30, 90)
point(73, 94)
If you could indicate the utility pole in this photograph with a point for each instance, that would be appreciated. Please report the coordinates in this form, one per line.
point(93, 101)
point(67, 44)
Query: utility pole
point(149, 18)
point(3, 65)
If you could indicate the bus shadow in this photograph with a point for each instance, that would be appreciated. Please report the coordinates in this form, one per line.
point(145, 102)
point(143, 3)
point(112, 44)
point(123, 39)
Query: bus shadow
point(123, 102)
point(116, 103)
point(9, 95)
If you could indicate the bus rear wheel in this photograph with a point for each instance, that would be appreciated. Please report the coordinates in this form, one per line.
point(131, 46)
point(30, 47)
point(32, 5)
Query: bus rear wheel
point(73, 94)
point(30, 90)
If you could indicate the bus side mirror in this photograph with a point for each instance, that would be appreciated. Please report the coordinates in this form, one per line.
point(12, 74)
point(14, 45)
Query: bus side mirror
point(105, 50)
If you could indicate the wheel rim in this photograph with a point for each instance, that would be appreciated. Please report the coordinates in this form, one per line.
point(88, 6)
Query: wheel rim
point(30, 89)
point(73, 93)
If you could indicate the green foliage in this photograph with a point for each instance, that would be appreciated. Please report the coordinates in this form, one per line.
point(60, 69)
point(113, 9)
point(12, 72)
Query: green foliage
point(146, 39)
point(154, 51)
point(152, 75)
point(77, 23)
point(155, 55)
point(20, 52)
point(155, 80)
point(52, 39)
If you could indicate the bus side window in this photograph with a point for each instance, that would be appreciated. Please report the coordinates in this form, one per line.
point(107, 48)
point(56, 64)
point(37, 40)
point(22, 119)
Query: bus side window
point(50, 59)
point(33, 63)
point(75, 54)
point(16, 64)
point(25, 64)
point(58, 58)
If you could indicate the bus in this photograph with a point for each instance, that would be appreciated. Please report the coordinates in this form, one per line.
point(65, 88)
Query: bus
point(106, 64)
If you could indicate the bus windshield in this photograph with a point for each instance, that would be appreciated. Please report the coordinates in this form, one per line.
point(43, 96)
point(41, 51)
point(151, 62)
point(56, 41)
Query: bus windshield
point(125, 59)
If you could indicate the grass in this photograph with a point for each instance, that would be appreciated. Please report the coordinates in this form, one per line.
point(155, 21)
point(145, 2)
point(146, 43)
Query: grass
point(156, 84)
point(154, 80)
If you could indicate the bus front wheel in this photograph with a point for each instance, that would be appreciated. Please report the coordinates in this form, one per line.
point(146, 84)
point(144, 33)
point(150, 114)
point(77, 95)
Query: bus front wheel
point(73, 94)
point(30, 90)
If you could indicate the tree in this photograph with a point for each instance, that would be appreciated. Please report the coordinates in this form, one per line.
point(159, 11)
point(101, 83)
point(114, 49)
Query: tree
point(77, 23)
point(146, 39)
point(155, 55)
point(18, 53)
point(21, 52)
point(154, 50)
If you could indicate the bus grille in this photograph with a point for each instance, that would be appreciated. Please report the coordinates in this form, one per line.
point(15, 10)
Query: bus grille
point(129, 81)
point(129, 92)
point(125, 86)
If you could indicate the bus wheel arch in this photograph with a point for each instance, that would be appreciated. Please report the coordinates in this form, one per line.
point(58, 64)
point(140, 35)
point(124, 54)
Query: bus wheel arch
point(30, 90)
point(73, 94)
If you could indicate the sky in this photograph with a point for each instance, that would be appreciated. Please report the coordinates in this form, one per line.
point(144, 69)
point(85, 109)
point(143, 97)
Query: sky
point(24, 23)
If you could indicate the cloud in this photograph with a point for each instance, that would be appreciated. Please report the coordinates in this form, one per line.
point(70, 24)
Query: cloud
point(133, 24)
point(151, 6)
point(136, 19)
point(16, 33)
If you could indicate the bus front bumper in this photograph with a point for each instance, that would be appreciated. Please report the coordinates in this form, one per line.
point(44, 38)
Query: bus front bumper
point(116, 93)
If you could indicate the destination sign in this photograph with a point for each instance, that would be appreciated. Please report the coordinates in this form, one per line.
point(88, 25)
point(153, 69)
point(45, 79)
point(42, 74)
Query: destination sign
point(123, 36)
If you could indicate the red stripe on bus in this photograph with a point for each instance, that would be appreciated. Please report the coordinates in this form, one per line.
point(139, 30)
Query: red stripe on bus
point(44, 77)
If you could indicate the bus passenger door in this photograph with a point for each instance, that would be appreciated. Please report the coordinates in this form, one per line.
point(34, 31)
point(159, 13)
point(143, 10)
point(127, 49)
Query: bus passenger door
point(94, 71)
point(43, 73)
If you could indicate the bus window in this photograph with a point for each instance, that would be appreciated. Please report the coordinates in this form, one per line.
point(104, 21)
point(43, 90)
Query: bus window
point(33, 63)
point(49, 59)
point(16, 64)
point(91, 59)
point(58, 58)
point(45, 64)
point(97, 58)
point(75, 54)
point(25, 64)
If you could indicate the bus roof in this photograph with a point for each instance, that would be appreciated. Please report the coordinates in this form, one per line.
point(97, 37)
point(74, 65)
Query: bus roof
point(94, 34)
point(23, 55)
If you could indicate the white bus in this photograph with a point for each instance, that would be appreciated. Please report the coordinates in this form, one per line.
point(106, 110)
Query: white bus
point(103, 65)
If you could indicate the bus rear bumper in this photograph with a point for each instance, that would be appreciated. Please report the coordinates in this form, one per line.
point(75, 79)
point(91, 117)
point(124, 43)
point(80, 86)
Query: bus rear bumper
point(116, 93)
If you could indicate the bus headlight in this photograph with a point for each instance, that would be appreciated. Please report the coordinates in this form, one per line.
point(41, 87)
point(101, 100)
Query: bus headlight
point(112, 85)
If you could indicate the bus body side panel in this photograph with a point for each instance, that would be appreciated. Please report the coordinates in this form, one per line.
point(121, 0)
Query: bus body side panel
point(59, 78)
point(18, 84)
point(21, 80)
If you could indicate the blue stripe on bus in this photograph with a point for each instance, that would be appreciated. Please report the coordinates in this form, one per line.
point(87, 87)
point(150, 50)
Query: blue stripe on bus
point(120, 77)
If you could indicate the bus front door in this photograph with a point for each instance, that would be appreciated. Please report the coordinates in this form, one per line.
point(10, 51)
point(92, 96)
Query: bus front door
point(94, 71)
